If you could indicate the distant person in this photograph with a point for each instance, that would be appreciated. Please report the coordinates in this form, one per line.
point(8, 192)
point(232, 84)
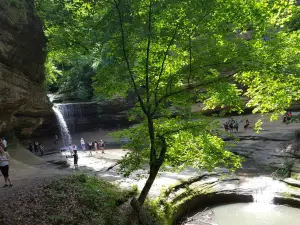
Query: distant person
point(56, 138)
point(289, 115)
point(35, 146)
point(41, 149)
point(30, 147)
point(4, 167)
point(74, 148)
point(75, 159)
point(102, 145)
point(82, 144)
point(90, 145)
point(247, 125)
point(70, 150)
point(4, 142)
point(96, 146)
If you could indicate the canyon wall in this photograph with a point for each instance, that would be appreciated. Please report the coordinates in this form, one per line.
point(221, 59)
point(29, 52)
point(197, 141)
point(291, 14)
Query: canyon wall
point(23, 101)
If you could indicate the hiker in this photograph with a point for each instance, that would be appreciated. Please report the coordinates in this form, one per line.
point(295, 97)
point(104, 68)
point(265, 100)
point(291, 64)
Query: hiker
point(96, 146)
point(41, 149)
point(289, 115)
point(4, 167)
point(102, 145)
point(4, 142)
point(75, 159)
point(90, 144)
point(247, 125)
point(30, 147)
point(82, 144)
point(35, 145)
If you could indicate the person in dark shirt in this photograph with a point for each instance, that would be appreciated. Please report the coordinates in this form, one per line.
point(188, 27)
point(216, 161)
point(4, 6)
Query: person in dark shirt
point(30, 147)
point(75, 159)
point(35, 147)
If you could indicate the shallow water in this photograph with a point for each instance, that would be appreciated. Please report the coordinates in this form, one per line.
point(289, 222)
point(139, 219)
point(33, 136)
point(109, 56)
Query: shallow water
point(249, 214)
point(255, 214)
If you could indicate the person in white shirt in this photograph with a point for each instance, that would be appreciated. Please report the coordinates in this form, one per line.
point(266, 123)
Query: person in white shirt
point(82, 144)
point(74, 148)
point(71, 149)
point(4, 142)
point(4, 167)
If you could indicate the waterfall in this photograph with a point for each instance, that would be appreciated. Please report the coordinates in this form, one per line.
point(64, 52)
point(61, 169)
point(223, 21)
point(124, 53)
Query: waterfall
point(263, 189)
point(64, 131)
point(72, 113)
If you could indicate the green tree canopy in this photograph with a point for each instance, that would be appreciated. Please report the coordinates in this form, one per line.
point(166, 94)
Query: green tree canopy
point(173, 52)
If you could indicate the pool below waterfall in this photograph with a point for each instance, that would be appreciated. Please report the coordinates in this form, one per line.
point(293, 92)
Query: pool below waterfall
point(246, 214)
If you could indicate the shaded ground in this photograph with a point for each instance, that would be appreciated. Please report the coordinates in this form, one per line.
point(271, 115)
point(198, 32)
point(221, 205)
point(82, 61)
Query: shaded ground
point(67, 200)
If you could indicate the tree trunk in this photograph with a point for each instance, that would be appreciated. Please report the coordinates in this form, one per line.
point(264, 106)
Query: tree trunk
point(153, 172)
point(144, 218)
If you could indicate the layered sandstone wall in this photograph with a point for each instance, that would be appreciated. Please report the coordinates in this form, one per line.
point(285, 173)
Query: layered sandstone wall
point(23, 101)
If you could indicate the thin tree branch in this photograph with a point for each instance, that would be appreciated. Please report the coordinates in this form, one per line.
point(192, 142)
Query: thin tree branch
point(190, 67)
point(117, 4)
point(164, 60)
point(147, 57)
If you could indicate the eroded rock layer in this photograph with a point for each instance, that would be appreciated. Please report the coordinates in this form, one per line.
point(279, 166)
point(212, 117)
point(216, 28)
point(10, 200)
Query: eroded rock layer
point(23, 101)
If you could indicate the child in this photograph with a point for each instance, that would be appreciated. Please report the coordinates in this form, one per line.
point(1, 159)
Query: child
point(75, 159)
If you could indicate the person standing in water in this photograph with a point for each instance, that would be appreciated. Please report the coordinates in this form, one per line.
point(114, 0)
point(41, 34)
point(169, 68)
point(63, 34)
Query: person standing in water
point(4, 167)
point(96, 146)
point(90, 148)
point(102, 145)
point(82, 144)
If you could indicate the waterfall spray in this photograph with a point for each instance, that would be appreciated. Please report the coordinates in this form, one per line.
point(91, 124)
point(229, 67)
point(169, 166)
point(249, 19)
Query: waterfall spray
point(65, 134)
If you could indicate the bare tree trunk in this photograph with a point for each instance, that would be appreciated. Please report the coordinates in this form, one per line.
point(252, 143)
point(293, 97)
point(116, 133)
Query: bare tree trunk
point(153, 172)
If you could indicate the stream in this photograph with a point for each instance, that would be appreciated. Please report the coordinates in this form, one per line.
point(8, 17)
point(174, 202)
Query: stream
point(247, 214)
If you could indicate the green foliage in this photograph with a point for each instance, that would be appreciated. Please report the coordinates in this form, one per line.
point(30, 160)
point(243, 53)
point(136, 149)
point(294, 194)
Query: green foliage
point(171, 53)
point(68, 26)
point(284, 171)
point(98, 200)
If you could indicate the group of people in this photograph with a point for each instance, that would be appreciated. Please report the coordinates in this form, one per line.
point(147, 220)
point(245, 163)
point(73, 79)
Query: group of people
point(36, 148)
point(233, 125)
point(95, 145)
point(4, 162)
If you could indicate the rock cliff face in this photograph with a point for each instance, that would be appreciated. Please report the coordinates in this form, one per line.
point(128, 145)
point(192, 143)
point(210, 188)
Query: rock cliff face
point(23, 101)
point(276, 144)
